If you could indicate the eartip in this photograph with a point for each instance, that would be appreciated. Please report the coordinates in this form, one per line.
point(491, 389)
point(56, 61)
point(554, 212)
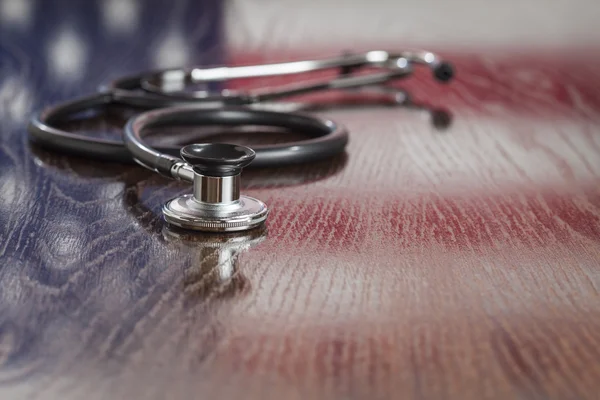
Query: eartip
point(444, 72)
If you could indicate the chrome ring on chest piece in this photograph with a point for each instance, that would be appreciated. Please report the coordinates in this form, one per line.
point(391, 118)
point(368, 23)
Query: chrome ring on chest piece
point(216, 204)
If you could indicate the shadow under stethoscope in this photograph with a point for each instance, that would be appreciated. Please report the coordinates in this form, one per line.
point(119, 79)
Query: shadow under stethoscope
point(369, 98)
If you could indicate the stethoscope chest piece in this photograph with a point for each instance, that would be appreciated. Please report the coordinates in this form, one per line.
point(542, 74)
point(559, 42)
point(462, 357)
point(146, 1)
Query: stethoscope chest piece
point(216, 204)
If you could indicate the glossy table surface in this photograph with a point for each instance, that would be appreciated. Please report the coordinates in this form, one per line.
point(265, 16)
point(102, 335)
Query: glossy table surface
point(455, 260)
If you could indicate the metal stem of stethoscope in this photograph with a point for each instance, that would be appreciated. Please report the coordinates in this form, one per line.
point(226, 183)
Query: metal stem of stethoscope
point(374, 58)
point(173, 82)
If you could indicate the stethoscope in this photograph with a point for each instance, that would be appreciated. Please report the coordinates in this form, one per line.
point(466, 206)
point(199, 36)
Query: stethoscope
point(214, 169)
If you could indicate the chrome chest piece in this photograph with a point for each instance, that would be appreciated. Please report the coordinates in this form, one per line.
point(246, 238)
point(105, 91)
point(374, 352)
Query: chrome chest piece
point(216, 204)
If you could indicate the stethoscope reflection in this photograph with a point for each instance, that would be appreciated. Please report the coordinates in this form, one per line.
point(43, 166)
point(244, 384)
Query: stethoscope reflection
point(214, 271)
point(213, 282)
point(212, 268)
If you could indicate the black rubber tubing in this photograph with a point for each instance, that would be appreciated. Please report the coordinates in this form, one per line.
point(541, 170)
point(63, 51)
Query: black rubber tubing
point(326, 138)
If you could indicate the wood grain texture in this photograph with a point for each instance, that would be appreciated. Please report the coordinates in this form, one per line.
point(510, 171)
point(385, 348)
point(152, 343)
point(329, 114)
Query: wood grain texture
point(426, 263)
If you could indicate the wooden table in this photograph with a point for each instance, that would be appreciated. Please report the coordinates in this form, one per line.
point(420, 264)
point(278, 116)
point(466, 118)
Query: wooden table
point(455, 260)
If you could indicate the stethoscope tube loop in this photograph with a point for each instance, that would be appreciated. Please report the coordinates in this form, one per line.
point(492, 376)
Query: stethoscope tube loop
point(327, 138)
point(43, 131)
